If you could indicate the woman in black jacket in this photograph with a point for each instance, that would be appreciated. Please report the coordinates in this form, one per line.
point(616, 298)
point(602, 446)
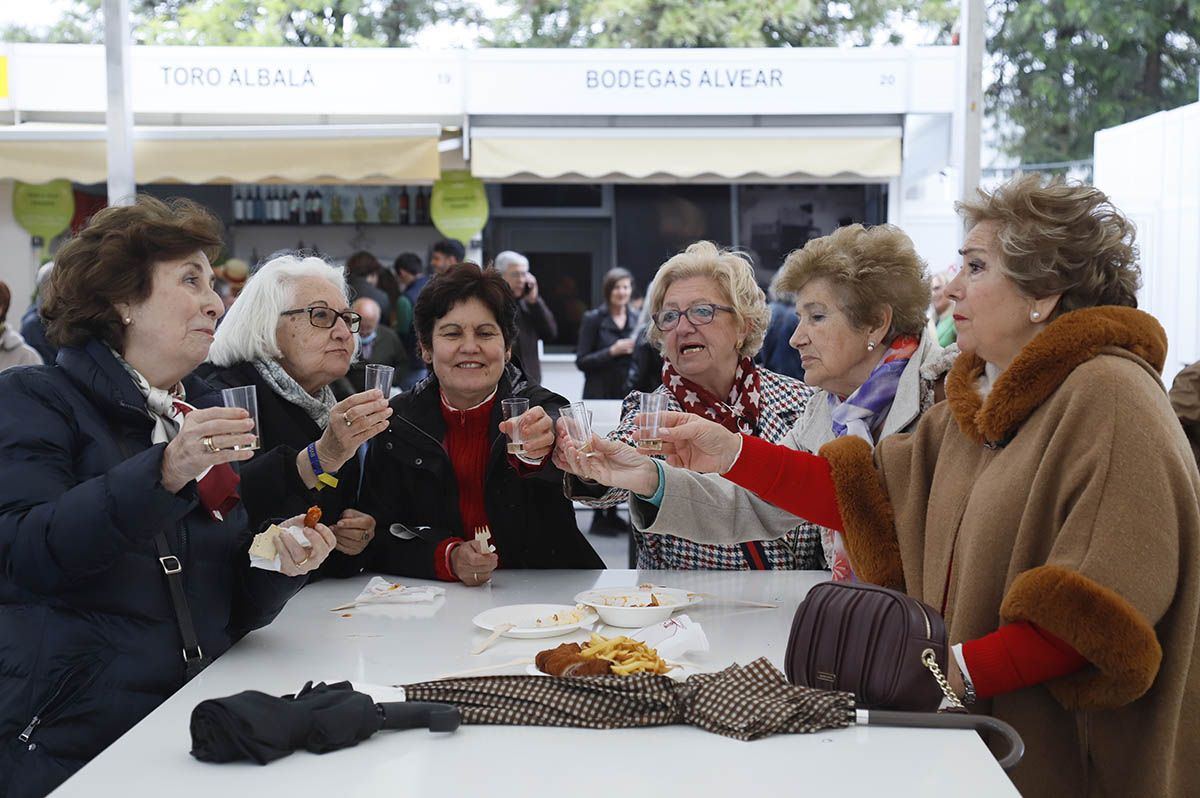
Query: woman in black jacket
point(606, 339)
point(441, 471)
point(291, 334)
point(105, 468)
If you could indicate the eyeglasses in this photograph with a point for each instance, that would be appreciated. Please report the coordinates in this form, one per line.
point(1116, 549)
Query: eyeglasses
point(699, 315)
point(325, 318)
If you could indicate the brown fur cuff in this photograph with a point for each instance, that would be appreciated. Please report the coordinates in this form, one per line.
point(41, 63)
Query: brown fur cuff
point(1103, 627)
point(870, 528)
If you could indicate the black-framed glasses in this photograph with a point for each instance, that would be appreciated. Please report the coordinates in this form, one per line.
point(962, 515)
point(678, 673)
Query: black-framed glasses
point(325, 318)
point(699, 315)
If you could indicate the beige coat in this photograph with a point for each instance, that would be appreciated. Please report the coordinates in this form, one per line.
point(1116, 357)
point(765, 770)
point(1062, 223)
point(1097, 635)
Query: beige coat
point(1068, 498)
point(14, 351)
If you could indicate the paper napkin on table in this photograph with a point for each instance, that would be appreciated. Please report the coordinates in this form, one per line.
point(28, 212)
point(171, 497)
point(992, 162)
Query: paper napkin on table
point(381, 591)
point(674, 637)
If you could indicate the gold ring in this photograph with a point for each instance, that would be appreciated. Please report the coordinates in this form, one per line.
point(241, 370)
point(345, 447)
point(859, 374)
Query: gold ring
point(208, 444)
point(302, 562)
point(346, 418)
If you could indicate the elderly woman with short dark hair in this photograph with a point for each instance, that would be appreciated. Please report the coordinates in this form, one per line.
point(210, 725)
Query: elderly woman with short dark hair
point(441, 471)
point(107, 476)
point(291, 334)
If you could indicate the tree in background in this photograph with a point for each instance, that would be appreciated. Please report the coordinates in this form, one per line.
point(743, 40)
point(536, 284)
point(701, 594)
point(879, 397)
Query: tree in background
point(1067, 68)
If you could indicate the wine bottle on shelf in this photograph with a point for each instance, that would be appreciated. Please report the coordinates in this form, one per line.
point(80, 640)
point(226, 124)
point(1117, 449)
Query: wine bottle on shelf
point(278, 206)
point(294, 207)
point(360, 210)
point(422, 206)
point(336, 215)
point(306, 208)
point(238, 211)
point(404, 206)
point(260, 206)
point(318, 207)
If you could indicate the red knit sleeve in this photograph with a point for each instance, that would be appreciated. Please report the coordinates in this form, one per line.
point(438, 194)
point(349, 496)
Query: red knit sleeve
point(798, 482)
point(1015, 656)
point(441, 559)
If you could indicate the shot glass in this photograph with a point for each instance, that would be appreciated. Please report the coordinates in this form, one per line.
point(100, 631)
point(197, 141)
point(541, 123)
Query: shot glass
point(513, 409)
point(246, 398)
point(579, 425)
point(379, 376)
point(652, 407)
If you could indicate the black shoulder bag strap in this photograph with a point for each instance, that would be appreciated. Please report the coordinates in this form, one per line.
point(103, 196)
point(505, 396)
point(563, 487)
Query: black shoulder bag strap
point(194, 659)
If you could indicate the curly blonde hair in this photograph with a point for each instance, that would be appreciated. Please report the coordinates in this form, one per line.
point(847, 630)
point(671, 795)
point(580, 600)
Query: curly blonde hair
point(1061, 238)
point(730, 270)
point(869, 268)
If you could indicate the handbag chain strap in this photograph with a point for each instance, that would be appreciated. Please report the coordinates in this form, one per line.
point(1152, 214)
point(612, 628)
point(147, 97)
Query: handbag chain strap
point(929, 660)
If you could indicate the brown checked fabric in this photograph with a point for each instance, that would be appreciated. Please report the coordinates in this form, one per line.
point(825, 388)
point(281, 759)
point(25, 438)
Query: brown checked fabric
point(745, 703)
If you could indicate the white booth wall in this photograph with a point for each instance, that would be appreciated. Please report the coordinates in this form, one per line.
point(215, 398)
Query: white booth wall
point(17, 267)
point(1150, 168)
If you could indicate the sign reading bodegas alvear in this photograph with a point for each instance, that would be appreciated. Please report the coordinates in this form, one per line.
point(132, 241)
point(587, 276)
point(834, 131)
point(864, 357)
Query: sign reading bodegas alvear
point(716, 77)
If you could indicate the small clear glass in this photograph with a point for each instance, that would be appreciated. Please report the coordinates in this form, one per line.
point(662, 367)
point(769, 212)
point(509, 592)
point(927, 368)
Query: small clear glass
point(379, 376)
point(245, 397)
point(652, 407)
point(513, 409)
point(579, 425)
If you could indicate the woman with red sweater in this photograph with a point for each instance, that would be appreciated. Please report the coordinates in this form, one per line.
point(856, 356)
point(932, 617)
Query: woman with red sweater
point(441, 470)
point(1049, 507)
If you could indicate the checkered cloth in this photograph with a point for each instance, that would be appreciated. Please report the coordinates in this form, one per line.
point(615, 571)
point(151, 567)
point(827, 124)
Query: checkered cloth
point(742, 702)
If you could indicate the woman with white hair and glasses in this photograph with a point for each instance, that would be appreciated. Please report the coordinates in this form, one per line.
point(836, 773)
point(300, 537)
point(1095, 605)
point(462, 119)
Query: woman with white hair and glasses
point(709, 317)
point(291, 334)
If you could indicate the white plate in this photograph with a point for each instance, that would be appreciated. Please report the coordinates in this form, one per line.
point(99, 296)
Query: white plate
point(678, 673)
point(524, 619)
point(614, 604)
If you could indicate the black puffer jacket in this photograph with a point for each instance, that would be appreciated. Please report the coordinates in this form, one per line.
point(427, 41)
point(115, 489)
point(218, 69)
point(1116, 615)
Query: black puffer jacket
point(409, 479)
point(89, 643)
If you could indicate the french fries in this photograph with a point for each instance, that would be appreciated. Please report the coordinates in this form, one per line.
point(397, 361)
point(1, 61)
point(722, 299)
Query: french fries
point(625, 655)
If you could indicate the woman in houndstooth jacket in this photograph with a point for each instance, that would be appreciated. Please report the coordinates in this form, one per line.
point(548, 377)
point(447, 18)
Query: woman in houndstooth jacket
point(861, 296)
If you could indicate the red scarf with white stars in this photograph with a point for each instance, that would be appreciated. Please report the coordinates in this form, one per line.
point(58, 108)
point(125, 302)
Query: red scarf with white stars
point(738, 414)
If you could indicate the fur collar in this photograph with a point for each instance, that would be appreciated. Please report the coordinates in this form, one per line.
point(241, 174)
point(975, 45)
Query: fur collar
point(1067, 342)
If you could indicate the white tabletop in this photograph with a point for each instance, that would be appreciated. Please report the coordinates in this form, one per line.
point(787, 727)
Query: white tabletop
point(398, 645)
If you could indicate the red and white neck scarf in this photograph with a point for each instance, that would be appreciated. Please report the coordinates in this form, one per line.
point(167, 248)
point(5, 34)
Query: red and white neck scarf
point(738, 413)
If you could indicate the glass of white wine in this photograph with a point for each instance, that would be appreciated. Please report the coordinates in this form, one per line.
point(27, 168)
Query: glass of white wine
point(652, 407)
point(512, 410)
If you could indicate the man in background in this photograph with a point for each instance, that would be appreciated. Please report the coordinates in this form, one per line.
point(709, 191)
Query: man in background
point(411, 277)
point(362, 275)
point(447, 254)
point(379, 344)
point(33, 327)
point(534, 319)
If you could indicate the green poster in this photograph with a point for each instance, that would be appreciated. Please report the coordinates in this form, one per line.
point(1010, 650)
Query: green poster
point(459, 206)
point(45, 209)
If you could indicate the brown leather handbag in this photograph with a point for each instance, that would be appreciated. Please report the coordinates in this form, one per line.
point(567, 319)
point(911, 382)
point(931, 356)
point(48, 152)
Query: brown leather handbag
point(887, 648)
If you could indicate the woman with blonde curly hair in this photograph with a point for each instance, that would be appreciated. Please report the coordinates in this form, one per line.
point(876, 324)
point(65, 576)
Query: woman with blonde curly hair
point(708, 319)
point(1050, 508)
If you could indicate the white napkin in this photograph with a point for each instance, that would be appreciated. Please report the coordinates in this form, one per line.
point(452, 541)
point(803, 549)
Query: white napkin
point(381, 591)
point(673, 637)
point(273, 564)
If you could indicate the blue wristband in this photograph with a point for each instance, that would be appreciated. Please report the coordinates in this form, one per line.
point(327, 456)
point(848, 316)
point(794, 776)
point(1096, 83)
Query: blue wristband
point(657, 497)
point(323, 479)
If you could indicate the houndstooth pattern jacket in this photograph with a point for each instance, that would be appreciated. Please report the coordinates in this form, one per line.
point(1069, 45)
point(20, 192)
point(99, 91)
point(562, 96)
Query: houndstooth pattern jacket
point(783, 401)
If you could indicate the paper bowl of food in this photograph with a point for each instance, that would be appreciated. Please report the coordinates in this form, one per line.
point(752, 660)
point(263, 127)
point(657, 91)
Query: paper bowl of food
point(635, 607)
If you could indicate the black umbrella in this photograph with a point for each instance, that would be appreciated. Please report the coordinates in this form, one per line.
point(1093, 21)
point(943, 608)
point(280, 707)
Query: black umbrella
point(321, 718)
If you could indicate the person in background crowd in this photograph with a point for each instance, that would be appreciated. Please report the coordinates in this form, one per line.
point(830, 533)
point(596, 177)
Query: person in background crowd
point(442, 471)
point(103, 465)
point(446, 254)
point(1049, 508)
point(604, 354)
point(709, 317)
point(411, 277)
point(1185, 399)
point(534, 319)
point(606, 339)
point(410, 273)
point(777, 353)
point(13, 349)
point(291, 336)
point(33, 326)
point(861, 296)
point(231, 279)
point(943, 309)
point(646, 362)
point(362, 275)
point(377, 344)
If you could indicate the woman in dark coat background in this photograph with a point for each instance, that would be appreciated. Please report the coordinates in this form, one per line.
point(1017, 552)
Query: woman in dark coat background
point(606, 339)
point(102, 463)
point(442, 470)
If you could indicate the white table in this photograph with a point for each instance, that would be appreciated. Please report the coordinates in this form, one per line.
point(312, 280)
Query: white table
point(398, 645)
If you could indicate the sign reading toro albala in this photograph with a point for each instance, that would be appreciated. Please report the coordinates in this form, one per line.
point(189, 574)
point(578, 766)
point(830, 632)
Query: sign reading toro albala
point(253, 77)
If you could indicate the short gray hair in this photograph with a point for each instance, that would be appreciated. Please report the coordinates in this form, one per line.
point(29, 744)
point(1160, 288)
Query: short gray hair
point(508, 258)
point(247, 333)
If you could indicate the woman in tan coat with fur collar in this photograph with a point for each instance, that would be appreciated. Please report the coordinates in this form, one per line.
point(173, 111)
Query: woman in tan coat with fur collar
point(1049, 507)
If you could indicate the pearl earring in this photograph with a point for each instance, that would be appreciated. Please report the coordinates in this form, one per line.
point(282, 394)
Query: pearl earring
point(870, 346)
point(1034, 316)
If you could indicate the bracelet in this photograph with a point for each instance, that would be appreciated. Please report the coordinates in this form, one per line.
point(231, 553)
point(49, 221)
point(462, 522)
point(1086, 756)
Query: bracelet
point(323, 479)
point(969, 695)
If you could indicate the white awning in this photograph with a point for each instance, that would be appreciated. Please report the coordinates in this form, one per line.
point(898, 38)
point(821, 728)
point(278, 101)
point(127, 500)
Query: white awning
point(744, 153)
point(36, 153)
